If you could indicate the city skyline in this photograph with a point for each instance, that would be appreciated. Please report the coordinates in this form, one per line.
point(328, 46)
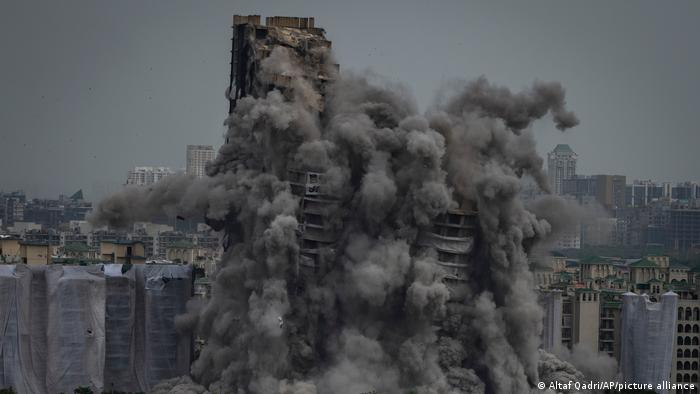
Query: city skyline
point(619, 78)
point(478, 228)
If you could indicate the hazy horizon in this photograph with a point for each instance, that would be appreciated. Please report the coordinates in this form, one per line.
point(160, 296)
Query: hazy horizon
point(92, 89)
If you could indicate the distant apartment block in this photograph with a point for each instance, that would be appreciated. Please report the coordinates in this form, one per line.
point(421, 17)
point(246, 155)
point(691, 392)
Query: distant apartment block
point(684, 234)
point(608, 190)
point(570, 239)
point(142, 176)
point(561, 165)
point(197, 158)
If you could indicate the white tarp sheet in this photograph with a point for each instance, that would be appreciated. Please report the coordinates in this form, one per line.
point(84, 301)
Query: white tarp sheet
point(76, 327)
point(166, 291)
point(120, 333)
point(109, 327)
point(647, 332)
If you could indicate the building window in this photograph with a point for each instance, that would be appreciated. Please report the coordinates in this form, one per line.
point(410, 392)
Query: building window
point(686, 353)
point(680, 328)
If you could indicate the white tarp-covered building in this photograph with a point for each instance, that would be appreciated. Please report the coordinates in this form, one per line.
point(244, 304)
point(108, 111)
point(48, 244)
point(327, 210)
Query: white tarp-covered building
point(552, 304)
point(110, 327)
point(647, 332)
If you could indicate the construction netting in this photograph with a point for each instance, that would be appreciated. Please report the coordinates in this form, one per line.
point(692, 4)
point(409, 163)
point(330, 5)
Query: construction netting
point(108, 327)
point(647, 332)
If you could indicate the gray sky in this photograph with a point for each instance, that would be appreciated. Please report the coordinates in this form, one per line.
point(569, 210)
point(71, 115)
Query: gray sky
point(92, 88)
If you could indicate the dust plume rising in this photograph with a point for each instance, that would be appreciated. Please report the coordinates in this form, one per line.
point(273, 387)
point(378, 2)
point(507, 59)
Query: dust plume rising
point(379, 315)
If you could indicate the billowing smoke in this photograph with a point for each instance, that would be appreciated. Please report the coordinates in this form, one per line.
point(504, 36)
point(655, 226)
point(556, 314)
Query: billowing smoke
point(553, 370)
point(595, 366)
point(377, 314)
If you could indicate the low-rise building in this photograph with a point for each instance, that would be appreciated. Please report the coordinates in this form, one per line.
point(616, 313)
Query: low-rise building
point(10, 249)
point(645, 270)
point(142, 176)
point(125, 252)
point(182, 251)
point(33, 252)
point(678, 272)
point(594, 268)
point(79, 250)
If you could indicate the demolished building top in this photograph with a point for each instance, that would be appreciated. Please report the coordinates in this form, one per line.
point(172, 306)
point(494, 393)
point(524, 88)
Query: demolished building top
point(298, 47)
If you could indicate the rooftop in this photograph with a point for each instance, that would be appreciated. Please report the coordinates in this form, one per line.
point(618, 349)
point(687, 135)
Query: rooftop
point(75, 261)
point(595, 260)
point(644, 263)
point(563, 148)
point(556, 253)
point(34, 243)
point(122, 242)
point(678, 265)
point(612, 304)
point(586, 290)
point(182, 244)
point(77, 247)
point(680, 286)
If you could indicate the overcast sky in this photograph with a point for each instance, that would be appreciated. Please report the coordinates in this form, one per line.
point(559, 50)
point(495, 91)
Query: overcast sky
point(92, 88)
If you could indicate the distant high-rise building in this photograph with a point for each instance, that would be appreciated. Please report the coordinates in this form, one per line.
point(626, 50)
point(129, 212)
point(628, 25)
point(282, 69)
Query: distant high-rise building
point(570, 239)
point(561, 164)
point(610, 191)
point(142, 176)
point(686, 191)
point(12, 208)
point(579, 186)
point(684, 226)
point(641, 193)
point(197, 158)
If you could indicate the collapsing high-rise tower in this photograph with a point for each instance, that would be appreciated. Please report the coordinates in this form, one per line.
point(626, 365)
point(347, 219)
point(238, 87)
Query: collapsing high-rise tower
point(253, 42)
point(451, 237)
point(353, 259)
point(306, 45)
point(452, 234)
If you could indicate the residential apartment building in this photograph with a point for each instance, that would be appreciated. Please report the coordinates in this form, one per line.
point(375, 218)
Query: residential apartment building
point(143, 176)
point(197, 158)
point(561, 165)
